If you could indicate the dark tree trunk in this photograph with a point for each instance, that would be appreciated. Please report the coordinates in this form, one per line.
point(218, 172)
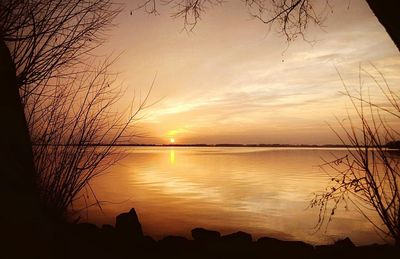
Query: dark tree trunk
point(21, 218)
point(388, 15)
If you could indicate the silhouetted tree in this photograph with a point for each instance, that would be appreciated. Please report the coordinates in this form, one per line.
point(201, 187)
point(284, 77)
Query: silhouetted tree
point(42, 41)
point(368, 177)
point(293, 17)
point(37, 39)
point(40, 44)
point(74, 127)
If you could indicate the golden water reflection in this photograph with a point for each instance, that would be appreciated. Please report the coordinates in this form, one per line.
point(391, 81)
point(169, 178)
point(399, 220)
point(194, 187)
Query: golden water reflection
point(263, 191)
point(172, 156)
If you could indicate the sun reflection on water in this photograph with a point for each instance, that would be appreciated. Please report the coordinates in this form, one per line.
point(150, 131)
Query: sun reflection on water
point(262, 191)
point(172, 156)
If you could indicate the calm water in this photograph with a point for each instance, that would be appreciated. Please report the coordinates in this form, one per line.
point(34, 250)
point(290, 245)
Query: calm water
point(263, 191)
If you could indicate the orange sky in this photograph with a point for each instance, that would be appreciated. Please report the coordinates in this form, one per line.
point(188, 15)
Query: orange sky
point(232, 82)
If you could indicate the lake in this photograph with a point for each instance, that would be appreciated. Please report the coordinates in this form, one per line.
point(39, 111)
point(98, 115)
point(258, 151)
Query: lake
point(263, 191)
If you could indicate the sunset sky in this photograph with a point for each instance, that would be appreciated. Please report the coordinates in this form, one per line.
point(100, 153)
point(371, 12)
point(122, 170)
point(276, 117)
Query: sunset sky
point(230, 81)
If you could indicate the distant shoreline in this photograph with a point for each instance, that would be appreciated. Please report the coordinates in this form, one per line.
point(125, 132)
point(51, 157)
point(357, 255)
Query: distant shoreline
point(223, 145)
point(205, 145)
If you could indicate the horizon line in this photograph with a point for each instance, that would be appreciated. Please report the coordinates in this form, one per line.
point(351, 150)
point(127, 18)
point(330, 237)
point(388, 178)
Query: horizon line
point(204, 145)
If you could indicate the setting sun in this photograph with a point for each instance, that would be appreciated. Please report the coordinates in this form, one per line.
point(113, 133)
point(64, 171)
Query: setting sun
point(172, 140)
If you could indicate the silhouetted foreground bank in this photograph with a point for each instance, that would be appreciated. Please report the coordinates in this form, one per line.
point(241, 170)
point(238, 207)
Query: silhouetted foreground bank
point(126, 240)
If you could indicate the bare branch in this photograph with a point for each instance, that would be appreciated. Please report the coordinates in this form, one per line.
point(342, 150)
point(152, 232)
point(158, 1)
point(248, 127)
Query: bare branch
point(368, 177)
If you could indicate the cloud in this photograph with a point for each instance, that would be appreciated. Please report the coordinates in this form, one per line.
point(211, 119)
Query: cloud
point(227, 80)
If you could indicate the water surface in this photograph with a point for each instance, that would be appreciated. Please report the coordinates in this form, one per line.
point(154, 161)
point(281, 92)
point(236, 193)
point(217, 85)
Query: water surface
point(263, 191)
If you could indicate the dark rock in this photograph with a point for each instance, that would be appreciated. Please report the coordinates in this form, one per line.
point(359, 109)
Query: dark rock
point(344, 243)
point(148, 243)
point(341, 248)
point(379, 251)
point(128, 225)
point(85, 238)
point(276, 247)
point(204, 235)
point(269, 241)
point(175, 247)
point(149, 240)
point(108, 232)
point(235, 245)
point(239, 237)
point(107, 227)
point(174, 241)
point(86, 229)
point(86, 226)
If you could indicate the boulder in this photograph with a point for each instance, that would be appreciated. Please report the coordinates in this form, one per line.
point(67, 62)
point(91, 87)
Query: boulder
point(344, 243)
point(86, 230)
point(175, 247)
point(204, 235)
point(108, 232)
point(238, 237)
point(128, 225)
point(276, 246)
point(174, 241)
point(107, 228)
point(345, 248)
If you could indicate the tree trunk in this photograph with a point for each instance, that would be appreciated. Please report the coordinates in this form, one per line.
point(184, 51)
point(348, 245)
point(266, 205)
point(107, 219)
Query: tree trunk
point(21, 218)
point(388, 15)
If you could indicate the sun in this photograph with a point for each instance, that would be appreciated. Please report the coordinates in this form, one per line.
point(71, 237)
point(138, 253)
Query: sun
point(172, 140)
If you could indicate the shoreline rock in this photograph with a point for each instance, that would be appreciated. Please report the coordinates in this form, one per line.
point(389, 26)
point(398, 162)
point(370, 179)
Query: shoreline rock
point(127, 240)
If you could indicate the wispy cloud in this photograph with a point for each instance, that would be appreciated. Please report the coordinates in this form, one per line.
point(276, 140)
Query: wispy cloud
point(228, 81)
